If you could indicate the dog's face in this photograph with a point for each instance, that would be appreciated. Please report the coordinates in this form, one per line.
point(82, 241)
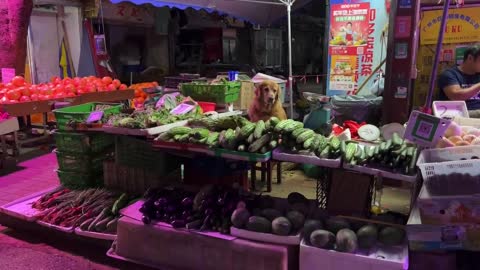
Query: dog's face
point(268, 92)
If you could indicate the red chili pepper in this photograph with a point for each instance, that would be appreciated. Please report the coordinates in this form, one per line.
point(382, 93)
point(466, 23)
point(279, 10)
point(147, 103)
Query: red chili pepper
point(353, 126)
point(337, 130)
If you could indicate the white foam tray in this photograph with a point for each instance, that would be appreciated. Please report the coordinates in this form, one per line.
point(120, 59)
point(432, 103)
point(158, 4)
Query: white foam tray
point(22, 208)
point(112, 254)
point(266, 237)
point(97, 235)
point(55, 227)
point(394, 258)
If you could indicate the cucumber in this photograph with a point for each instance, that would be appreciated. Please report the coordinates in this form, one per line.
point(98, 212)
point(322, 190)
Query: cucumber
point(370, 151)
point(241, 148)
point(388, 145)
point(273, 144)
point(308, 143)
point(396, 140)
point(325, 152)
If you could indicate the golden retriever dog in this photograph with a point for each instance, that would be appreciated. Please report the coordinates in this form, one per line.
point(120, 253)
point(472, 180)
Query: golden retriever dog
point(267, 103)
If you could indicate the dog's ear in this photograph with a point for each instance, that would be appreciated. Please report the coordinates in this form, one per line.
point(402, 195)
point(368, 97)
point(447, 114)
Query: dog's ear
point(279, 92)
point(257, 91)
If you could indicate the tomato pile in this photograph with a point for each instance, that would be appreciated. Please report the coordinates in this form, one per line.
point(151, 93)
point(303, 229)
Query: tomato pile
point(140, 95)
point(20, 91)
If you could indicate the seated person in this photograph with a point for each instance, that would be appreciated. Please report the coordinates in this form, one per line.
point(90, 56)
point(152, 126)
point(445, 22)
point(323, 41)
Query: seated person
point(463, 82)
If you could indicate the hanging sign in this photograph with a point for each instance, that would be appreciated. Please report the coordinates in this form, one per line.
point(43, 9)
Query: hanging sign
point(355, 46)
point(463, 26)
point(425, 129)
point(403, 26)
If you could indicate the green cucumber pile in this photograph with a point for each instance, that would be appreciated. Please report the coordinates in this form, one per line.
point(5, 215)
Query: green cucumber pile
point(232, 133)
point(394, 154)
point(296, 138)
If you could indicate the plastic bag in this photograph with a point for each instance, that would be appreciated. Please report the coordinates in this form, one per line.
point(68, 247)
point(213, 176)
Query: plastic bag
point(356, 108)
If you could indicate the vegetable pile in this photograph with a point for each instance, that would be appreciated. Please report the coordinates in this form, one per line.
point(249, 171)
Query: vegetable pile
point(232, 133)
point(394, 154)
point(20, 91)
point(208, 210)
point(140, 95)
point(150, 117)
point(91, 209)
point(342, 235)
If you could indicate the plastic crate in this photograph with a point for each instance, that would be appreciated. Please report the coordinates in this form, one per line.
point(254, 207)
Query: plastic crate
point(81, 112)
point(139, 153)
point(451, 171)
point(174, 82)
point(71, 142)
point(227, 92)
point(82, 163)
point(75, 180)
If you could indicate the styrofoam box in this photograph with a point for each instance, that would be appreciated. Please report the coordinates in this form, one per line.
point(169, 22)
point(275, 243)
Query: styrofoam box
point(443, 210)
point(9, 125)
point(450, 160)
point(425, 237)
point(450, 109)
point(266, 237)
point(395, 258)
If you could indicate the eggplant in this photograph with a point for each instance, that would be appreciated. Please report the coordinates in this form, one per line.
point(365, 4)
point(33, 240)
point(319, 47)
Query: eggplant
point(186, 214)
point(194, 224)
point(146, 219)
point(171, 209)
point(187, 202)
point(178, 223)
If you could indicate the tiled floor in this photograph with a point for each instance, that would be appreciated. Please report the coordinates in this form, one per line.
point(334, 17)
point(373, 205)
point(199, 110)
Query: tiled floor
point(31, 176)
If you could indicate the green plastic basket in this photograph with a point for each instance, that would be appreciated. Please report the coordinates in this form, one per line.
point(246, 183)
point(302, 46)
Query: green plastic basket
point(227, 92)
point(139, 153)
point(75, 180)
point(82, 163)
point(81, 112)
point(71, 142)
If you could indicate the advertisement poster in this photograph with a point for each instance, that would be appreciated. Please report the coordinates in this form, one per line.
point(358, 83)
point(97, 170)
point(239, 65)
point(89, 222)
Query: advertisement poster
point(357, 45)
point(342, 76)
point(463, 26)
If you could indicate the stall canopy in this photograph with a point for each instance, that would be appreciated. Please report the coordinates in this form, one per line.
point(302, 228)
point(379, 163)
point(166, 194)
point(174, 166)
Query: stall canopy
point(262, 12)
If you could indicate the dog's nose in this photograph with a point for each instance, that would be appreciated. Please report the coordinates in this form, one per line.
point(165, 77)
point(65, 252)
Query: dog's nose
point(271, 99)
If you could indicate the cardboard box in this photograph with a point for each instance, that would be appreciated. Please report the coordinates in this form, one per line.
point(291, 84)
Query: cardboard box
point(349, 193)
point(247, 94)
point(427, 237)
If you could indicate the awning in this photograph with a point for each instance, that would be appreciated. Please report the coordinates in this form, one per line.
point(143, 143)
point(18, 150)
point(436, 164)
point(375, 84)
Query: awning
point(262, 12)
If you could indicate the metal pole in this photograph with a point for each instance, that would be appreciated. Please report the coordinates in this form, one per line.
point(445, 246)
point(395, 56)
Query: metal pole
point(290, 71)
point(433, 75)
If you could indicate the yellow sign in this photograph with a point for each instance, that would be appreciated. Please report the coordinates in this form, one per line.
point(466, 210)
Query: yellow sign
point(463, 25)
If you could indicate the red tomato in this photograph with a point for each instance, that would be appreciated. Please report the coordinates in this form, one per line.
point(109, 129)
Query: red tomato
point(10, 86)
point(18, 81)
point(107, 80)
point(24, 99)
point(111, 87)
point(123, 87)
point(12, 101)
point(59, 95)
point(34, 97)
point(41, 97)
point(70, 94)
point(70, 88)
point(4, 100)
point(55, 80)
point(25, 91)
point(116, 82)
point(13, 94)
point(34, 89)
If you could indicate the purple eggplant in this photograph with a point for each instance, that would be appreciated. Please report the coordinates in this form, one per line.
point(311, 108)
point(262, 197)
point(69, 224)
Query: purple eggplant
point(187, 202)
point(178, 223)
point(146, 220)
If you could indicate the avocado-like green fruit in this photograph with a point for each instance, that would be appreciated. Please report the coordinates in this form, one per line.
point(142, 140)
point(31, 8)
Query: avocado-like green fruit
point(335, 224)
point(310, 226)
point(296, 197)
point(346, 241)
point(391, 236)
point(271, 213)
point(297, 219)
point(240, 217)
point(322, 239)
point(367, 236)
point(259, 224)
point(281, 226)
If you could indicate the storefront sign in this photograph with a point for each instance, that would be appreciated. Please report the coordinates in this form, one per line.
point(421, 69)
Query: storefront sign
point(7, 74)
point(405, 4)
point(356, 44)
point(127, 12)
point(403, 26)
point(463, 26)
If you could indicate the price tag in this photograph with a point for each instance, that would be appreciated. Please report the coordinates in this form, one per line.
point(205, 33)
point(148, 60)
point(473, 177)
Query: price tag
point(161, 101)
point(7, 74)
point(182, 109)
point(424, 129)
point(94, 117)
